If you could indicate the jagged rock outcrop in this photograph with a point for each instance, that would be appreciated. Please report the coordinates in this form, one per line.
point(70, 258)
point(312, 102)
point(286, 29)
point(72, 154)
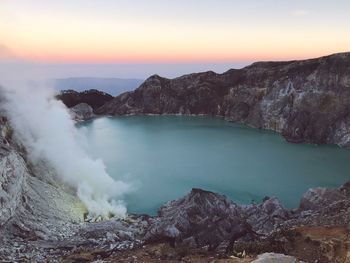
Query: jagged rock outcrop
point(318, 230)
point(326, 206)
point(206, 222)
point(267, 216)
point(203, 218)
point(82, 112)
point(305, 101)
point(92, 97)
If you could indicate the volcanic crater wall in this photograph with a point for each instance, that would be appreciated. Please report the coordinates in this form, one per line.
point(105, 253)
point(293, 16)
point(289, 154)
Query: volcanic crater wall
point(305, 101)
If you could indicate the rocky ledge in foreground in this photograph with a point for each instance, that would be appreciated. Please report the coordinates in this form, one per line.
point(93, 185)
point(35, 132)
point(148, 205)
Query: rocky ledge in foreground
point(305, 101)
point(205, 225)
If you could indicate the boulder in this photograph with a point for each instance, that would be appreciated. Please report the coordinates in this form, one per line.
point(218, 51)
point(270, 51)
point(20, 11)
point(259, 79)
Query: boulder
point(82, 112)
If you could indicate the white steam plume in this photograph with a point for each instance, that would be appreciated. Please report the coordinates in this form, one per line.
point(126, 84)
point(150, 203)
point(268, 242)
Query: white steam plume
point(46, 129)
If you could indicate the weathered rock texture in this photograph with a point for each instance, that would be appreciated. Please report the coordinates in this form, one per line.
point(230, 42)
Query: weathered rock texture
point(204, 218)
point(41, 219)
point(13, 175)
point(33, 204)
point(306, 101)
point(82, 112)
point(207, 223)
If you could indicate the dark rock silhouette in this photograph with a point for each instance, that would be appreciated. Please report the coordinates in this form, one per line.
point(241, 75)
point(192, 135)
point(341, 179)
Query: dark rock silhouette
point(92, 97)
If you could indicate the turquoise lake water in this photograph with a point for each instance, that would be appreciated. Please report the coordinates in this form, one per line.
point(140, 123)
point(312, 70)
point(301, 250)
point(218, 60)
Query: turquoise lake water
point(165, 156)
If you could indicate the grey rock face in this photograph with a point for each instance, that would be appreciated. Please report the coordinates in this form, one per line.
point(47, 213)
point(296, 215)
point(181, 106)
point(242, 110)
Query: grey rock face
point(31, 207)
point(267, 216)
point(41, 218)
point(13, 172)
point(325, 206)
point(206, 219)
point(203, 218)
point(305, 101)
point(82, 112)
point(12, 184)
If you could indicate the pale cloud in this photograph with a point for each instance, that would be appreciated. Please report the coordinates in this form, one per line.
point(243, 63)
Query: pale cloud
point(300, 12)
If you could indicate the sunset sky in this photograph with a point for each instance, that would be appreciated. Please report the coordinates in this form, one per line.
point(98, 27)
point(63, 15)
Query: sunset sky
point(169, 31)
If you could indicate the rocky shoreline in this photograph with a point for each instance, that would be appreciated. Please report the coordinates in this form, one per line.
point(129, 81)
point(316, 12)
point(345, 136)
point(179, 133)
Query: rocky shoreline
point(305, 101)
point(42, 220)
point(203, 224)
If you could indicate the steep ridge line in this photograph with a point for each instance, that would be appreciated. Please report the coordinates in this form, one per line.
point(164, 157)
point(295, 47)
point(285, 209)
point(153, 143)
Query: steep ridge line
point(306, 101)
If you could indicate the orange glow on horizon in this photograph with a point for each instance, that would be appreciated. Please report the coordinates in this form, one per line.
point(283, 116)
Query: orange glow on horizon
point(73, 31)
point(169, 58)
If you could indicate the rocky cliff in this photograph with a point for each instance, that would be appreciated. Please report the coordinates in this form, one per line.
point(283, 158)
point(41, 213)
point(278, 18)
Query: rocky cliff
point(305, 101)
point(34, 205)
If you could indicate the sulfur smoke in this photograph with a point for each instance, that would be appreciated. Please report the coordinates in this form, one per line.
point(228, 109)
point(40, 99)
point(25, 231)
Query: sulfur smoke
point(45, 127)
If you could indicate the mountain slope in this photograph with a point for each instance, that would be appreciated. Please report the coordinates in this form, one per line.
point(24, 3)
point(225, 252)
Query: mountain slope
point(306, 101)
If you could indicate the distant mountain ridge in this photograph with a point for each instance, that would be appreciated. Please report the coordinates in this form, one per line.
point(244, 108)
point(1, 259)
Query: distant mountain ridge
point(113, 86)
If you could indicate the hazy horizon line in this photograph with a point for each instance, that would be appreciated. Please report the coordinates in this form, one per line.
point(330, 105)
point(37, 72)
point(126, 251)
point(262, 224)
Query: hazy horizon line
point(123, 70)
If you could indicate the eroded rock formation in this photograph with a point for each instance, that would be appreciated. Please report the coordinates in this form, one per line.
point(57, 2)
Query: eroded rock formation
point(305, 101)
